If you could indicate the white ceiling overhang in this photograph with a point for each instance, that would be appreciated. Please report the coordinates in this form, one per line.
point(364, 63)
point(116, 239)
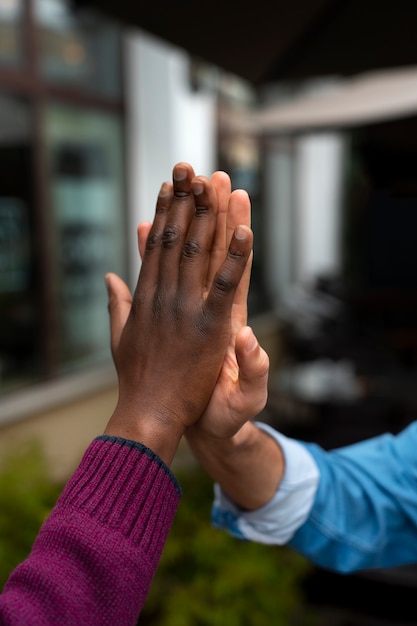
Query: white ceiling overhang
point(368, 98)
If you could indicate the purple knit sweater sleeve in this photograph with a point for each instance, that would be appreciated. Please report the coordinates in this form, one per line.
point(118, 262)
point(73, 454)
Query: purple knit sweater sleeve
point(95, 556)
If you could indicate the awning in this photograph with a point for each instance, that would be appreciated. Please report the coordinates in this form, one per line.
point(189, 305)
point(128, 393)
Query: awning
point(369, 98)
point(265, 42)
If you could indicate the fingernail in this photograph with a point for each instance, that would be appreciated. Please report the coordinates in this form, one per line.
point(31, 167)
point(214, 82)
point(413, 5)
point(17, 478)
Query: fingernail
point(241, 232)
point(179, 173)
point(198, 188)
point(164, 191)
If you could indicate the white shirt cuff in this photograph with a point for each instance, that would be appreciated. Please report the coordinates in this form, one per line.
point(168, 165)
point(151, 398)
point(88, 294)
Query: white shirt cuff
point(280, 518)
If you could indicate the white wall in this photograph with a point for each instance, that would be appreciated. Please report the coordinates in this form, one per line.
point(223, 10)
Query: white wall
point(303, 210)
point(167, 123)
point(279, 222)
point(318, 200)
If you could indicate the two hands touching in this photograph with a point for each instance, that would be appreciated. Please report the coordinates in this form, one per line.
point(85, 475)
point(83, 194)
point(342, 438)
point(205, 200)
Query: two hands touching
point(196, 369)
point(188, 365)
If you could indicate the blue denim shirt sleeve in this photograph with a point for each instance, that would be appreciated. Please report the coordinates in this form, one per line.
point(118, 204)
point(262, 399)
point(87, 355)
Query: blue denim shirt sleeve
point(365, 509)
point(277, 521)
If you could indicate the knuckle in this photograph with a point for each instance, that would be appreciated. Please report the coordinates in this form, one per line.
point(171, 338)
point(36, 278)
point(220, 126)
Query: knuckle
point(180, 195)
point(236, 254)
point(153, 241)
point(170, 236)
point(223, 282)
point(161, 207)
point(191, 249)
point(201, 210)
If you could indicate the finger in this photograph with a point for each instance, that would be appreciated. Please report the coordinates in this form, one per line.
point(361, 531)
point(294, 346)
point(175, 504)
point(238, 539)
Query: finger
point(253, 364)
point(222, 184)
point(144, 229)
point(234, 208)
point(120, 302)
point(239, 211)
point(226, 281)
point(199, 240)
point(240, 303)
point(151, 246)
point(180, 216)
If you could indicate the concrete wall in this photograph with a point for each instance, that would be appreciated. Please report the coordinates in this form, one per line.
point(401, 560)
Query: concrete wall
point(64, 430)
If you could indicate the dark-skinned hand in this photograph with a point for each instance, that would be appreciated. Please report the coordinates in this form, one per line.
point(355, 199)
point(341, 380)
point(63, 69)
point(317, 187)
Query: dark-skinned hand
point(169, 341)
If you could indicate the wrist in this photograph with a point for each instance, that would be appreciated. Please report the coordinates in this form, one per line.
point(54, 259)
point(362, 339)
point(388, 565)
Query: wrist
point(221, 446)
point(162, 436)
point(248, 466)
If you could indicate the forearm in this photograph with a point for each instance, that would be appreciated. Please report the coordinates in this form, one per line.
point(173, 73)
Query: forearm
point(249, 467)
point(96, 554)
point(365, 510)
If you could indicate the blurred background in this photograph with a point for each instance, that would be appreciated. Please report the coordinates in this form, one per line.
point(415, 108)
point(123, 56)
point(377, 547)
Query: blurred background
point(314, 113)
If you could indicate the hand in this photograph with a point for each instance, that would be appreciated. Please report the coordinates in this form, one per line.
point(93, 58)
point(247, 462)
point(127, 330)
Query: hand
point(241, 390)
point(169, 341)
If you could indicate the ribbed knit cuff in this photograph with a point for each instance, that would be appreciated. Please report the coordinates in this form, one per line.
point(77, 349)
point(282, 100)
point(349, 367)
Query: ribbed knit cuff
point(124, 486)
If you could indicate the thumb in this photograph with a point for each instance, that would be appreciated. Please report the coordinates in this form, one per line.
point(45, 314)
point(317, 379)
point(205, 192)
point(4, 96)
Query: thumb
point(120, 302)
point(253, 364)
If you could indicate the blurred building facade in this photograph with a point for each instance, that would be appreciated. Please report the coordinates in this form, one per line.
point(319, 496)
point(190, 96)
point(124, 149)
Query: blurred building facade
point(91, 122)
point(92, 119)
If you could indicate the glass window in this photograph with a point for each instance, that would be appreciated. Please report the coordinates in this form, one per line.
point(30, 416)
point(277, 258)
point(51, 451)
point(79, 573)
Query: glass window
point(19, 306)
point(11, 32)
point(85, 150)
point(79, 50)
point(62, 210)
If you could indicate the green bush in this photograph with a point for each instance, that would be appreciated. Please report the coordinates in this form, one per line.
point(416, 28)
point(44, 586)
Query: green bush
point(208, 578)
point(205, 578)
point(27, 495)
